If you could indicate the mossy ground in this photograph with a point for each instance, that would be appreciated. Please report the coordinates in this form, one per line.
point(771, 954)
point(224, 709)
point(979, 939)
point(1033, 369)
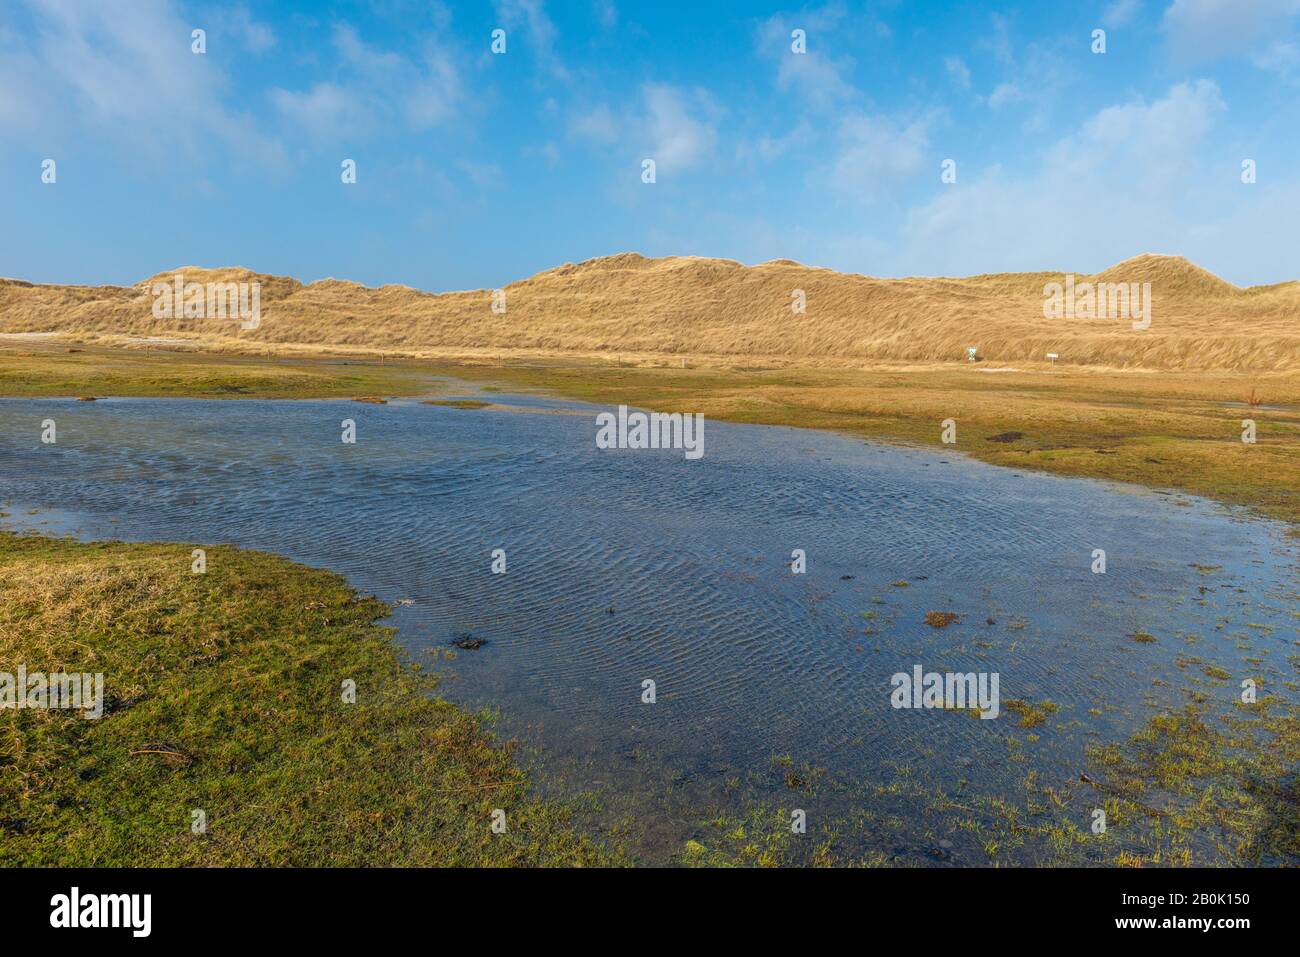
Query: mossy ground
point(238, 672)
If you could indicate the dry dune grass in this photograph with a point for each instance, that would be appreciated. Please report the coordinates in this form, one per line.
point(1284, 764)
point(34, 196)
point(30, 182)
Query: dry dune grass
point(712, 307)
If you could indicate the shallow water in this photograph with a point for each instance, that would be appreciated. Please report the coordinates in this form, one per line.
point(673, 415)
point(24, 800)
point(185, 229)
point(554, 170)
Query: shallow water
point(624, 566)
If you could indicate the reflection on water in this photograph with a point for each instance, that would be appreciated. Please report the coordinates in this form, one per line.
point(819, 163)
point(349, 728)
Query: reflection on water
point(632, 565)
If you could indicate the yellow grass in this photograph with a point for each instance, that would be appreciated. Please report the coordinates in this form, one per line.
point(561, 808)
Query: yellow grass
point(701, 308)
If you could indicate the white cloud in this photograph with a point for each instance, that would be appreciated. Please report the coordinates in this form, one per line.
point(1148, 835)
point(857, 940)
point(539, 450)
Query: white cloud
point(773, 147)
point(238, 23)
point(432, 93)
point(548, 151)
point(380, 86)
point(1004, 94)
point(597, 123)
point(1281, 57)
point(1034, 74)
point(1148, 143)
point(133, 81)
point(369, 60)
point(23, 100)
point(998, 42)
point(677, 140)
point(876, 154)
point(958, 70)
point(676, 128)
point(325, 110)
point(816, 75)
point(1201, 31)
point(606, 13)
point(530, 16)
point(482, 175)
point(1120, 13)
point(1125, 177)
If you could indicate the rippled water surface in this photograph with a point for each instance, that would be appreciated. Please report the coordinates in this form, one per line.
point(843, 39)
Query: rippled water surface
point(627, 566)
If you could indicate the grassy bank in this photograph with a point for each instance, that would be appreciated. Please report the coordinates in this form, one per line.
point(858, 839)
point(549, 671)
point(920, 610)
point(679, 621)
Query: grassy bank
point(42, 369)
point(223, 693)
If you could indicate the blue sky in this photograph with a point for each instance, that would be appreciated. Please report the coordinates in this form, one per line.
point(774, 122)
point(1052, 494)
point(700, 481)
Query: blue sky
point(475, 169)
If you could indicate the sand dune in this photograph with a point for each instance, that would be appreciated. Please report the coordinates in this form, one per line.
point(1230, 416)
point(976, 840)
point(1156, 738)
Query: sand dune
point(713, 307)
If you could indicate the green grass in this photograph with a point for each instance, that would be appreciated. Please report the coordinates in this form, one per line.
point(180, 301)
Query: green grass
point(459, 403)
point(169, 374)
point(225, 694)
point(1205, 785)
